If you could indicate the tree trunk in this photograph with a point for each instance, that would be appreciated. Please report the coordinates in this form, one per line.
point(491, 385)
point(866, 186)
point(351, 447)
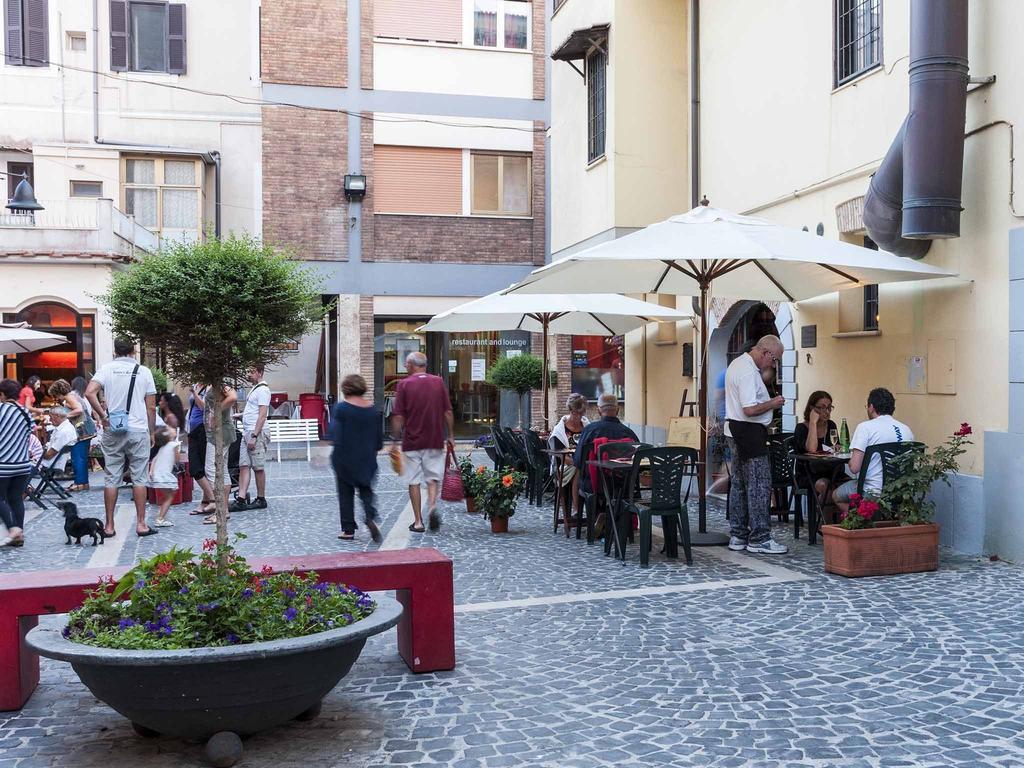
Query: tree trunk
point(522, 397)
point(217, 395)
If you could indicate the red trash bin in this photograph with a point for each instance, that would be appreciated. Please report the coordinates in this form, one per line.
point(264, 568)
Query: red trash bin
point(314, 406)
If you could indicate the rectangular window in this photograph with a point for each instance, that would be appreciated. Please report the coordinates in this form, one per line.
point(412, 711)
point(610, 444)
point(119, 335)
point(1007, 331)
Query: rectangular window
point(502, 24)
point(27, 33)
point(598, 366)
point(163, 195)
point(87, 189)
point(15, 173)
point(437, 21)
point(870, 307)
point(147, 36)
point(500, 184)
point(597, 68)
point(76, 41)
point(858, 38)
point(417, 180)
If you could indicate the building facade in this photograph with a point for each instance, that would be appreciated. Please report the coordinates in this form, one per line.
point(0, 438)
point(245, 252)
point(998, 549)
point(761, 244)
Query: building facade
point(442, 107)
point(619, 161)
point(130, 121)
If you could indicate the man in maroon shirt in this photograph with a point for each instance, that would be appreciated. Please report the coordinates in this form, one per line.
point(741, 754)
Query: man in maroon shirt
point(422, 412)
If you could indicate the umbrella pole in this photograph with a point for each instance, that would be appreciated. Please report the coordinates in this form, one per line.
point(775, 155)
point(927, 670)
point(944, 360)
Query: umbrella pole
point(702, 538)
point(544, 374)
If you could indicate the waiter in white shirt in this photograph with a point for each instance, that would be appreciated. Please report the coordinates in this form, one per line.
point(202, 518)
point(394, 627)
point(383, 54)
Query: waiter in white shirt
point(748, 412)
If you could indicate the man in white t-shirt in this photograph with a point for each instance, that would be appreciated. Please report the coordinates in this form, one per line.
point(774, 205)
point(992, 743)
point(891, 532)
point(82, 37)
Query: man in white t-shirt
point(880, 428)
point(748, 412)
point(64, 434)
point(252, 454)
point(131, 445)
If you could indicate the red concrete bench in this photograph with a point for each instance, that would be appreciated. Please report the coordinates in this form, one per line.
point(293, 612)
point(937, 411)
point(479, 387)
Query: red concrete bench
point(422, 579)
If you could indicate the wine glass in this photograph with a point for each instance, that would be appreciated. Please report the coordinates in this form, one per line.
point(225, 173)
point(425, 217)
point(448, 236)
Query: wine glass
point(833, 438)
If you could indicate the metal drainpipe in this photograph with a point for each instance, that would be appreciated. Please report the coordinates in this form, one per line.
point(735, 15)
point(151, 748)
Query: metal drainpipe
point(216, 192)
point(694, 103)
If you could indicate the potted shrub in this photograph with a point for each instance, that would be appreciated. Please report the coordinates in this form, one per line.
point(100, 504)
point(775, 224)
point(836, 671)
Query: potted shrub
point(217, 309)
point(895, 533)
point(471, 481)
point(519, 374)
point(498, 493)
point(204, 648)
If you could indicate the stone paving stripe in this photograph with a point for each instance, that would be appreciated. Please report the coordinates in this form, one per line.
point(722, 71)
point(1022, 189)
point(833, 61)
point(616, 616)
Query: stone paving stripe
point(107, 555)
point(584, 597)
point(398, 536)
point(740, 558)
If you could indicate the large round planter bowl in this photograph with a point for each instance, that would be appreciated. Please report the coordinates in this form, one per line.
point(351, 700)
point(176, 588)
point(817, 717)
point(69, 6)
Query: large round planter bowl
point(198, 692)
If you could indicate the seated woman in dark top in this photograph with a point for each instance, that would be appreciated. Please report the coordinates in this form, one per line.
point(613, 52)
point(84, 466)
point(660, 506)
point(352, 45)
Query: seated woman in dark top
point(813, 433)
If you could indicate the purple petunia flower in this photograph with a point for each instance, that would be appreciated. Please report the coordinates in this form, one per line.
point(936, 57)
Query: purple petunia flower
point(322, 588)
point(290, 614)
point(206, 607)
point(288, 592)
point(232, 638)
point(183, 591)
point(140, 584)
point(123, 624)
point(247, 593)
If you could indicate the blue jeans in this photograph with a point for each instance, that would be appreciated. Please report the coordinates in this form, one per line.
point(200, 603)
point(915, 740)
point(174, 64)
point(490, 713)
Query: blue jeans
point(80, 461)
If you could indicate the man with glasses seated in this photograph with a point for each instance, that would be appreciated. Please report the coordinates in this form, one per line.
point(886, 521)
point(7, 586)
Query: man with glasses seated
point(748, 412)
point(63, 435)
point(880, 427)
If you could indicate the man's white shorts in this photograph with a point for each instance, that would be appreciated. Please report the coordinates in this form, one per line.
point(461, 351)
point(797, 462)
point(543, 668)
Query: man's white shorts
point(426, 466)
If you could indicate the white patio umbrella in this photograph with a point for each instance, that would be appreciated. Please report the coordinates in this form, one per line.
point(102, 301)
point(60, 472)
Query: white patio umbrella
point(560, 313)
point(743, 257)
point(16, 338)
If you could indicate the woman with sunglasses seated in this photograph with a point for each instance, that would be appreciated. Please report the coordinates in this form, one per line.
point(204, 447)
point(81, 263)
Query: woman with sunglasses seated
point(811, 436)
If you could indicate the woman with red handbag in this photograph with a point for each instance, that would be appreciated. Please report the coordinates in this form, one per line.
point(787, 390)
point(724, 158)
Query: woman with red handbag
point(357, 431)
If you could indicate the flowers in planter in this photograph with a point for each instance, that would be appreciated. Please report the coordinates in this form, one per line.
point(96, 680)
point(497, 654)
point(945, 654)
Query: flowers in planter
point(499, 491)
point(861, 513)
point(904, 497)
point(471, 476)
point(175, 600)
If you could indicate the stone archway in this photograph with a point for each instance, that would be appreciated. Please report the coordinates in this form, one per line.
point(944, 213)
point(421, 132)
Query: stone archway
point(724, 317)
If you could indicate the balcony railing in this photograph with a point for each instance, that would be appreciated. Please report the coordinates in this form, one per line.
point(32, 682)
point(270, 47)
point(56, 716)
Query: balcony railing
point(69, 225)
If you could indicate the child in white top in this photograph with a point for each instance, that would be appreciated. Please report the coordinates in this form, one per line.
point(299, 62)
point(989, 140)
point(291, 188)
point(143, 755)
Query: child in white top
point(161, 472)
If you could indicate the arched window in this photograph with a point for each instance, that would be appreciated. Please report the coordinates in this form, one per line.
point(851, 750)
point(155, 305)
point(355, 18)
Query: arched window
point(76, 358)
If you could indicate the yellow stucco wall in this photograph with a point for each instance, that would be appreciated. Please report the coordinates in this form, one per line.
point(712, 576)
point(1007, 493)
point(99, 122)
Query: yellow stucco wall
point(772, 124)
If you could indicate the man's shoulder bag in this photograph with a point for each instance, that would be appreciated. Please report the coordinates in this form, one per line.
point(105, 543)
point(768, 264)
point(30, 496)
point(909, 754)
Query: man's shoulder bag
point(118, 419)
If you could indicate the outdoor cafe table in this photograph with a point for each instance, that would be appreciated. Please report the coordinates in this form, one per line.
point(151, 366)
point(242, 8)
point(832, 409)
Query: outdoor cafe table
point(614, 474)
point(561, 455)
point(804, 465)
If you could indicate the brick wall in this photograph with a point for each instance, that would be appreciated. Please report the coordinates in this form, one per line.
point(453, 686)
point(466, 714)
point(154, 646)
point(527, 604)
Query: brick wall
point(366, 44)
point(304, 42)
point(304, 205)
point(366, 342)
point(539, 57)
point(366, 162)
point(539, 194)
point(451, 239)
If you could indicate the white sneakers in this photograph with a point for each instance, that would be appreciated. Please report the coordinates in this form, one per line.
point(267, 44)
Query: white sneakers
point(766, 547)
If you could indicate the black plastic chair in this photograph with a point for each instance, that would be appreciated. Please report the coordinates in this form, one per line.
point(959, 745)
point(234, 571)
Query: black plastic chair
point(501, 457)
point(605, 494)
point(515, 448)
point(783, 482)
point(668, 467)
point(539, 467)
point(887, 452)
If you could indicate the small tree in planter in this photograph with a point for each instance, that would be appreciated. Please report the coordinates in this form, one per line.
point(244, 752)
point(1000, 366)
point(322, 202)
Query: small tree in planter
point(218, 308)
point(499, 492)
point(520, 374)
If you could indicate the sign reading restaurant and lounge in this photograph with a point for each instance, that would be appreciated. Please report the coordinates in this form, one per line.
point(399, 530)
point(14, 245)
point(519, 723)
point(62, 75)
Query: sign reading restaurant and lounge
point(520, 343)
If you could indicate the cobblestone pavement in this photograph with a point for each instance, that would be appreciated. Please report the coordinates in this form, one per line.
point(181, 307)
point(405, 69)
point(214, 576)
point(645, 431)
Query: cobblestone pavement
point(568, 658)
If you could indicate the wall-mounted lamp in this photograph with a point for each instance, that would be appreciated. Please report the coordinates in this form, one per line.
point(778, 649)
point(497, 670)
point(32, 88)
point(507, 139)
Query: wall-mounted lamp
point(24, 202)
point(820, 229)
point(355, 186)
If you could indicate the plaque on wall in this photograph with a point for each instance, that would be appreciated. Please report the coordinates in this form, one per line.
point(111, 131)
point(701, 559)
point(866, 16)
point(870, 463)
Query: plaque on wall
point(808, 336)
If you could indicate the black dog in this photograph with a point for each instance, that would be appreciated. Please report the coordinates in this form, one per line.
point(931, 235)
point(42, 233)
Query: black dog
point(76, 527)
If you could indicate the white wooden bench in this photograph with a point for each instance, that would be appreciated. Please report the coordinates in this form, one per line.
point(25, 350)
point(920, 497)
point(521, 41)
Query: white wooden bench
point(293, 431)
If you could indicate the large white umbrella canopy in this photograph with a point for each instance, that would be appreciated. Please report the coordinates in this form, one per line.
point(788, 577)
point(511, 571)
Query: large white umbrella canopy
point(18, 338)
point(586, 314)
point(740, 256)
point(745, 258)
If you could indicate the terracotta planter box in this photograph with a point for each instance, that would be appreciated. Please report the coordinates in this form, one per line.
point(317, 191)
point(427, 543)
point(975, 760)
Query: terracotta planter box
point(499, 524)
point(881, 551)
point(470, 504)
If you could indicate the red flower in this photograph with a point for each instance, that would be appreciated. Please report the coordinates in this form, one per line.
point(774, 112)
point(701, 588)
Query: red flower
point(965, 429)
point(209, 545)
point(309, 600)
point(266, 570)
point(855, 499)
point(867, 509)
point(164, 568)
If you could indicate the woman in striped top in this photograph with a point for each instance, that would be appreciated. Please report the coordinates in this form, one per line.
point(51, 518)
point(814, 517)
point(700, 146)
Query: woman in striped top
point(15, 466)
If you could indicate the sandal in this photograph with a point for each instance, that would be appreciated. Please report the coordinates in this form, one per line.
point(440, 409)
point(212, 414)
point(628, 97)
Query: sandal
point(204, 508)
point(347, 536)
point(212, 519)
point(414, 529)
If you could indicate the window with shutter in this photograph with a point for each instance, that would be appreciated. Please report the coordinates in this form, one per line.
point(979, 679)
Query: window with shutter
point(176, 39)
point(13, 33)
point(27, 33)
point(118, 36)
